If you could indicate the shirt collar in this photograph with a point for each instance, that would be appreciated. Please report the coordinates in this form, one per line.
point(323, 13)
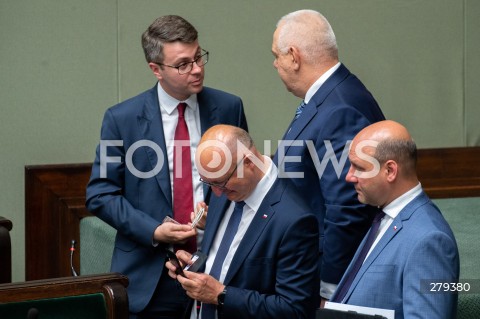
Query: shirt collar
point(256, 197)
point(315, 86)
point(396, 206)
point(169, 104)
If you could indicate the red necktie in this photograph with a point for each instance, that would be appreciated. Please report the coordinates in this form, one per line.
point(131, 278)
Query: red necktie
point(182, 178)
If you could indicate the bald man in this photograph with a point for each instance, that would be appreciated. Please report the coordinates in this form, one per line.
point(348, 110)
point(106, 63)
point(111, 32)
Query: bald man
point(269, 269)
point(336, 106)
point(413, 245)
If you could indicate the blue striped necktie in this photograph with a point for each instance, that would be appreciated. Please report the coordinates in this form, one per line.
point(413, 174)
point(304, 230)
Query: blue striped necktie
point(299, 110)
point(208, 310)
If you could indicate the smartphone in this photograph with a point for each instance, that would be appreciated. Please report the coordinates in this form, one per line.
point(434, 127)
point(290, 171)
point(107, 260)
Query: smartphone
point(198, 258)
point(174, 260)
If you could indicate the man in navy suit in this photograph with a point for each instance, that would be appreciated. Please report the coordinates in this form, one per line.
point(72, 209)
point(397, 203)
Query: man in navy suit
point(313, 151)
point(132, 181)
point(413, 247)
point(269, 269)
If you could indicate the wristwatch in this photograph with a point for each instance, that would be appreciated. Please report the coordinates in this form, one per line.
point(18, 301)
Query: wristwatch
point(221, 300)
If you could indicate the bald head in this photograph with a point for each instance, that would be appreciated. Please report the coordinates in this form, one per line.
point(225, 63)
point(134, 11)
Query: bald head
point(383, 159)
point(222, 141)
point(384, 130)
point(221, 148)
point(228, 161)
point(394, 143)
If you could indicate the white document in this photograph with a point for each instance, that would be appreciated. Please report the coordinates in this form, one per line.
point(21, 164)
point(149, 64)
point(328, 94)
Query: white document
point(389, 314)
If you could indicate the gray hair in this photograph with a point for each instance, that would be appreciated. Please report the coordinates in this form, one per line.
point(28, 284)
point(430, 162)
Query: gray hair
point(310, 32)
point(166, 29)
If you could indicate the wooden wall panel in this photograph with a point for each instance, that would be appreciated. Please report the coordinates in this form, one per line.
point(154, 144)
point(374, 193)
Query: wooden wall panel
point(450, 172)
point(54, 205)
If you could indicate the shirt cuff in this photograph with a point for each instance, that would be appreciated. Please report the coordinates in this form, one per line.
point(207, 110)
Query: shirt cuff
point(327, 289)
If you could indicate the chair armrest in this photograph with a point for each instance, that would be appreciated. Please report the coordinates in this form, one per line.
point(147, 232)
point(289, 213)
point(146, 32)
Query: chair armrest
point(112, 286)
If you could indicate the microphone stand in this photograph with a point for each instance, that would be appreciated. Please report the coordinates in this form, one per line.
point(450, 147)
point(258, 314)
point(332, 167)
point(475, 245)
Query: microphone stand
point(72, 250)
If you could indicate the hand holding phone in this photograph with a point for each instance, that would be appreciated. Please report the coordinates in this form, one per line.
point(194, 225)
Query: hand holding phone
point(198, 261)
point(174, 260)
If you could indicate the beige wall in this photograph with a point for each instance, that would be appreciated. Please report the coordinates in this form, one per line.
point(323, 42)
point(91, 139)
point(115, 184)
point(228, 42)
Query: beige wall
point(62, 63)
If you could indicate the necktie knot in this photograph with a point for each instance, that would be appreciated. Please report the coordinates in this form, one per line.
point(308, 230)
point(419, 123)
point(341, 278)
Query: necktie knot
point(239, 205)
point(299, 110)
point(378, 216)
point(181, 109)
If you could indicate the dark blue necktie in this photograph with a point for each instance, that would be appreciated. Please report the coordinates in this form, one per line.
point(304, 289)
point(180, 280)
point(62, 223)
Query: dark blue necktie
point(208, 310)
point(361, 258)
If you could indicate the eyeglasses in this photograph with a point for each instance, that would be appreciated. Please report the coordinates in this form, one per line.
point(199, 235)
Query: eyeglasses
point(186, 67)
point(223, 185)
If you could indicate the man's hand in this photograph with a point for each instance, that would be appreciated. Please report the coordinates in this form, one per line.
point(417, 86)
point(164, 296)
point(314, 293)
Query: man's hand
point(172, 233)
point(184, 257)
point(201, 223)
point(201, 287)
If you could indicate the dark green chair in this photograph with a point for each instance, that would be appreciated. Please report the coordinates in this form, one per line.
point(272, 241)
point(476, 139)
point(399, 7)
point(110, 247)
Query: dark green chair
point(97, 240)
point(463, 215)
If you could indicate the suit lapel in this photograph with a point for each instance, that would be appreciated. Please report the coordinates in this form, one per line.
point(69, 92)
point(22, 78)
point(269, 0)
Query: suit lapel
point(151, 129)
point(208, 111)
point(393, 230)
point(311, 109)
point(263, 216)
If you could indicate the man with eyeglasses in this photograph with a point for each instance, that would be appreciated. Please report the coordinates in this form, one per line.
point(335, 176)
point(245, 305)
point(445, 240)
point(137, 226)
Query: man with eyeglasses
point(261, 237)
point(140, 175)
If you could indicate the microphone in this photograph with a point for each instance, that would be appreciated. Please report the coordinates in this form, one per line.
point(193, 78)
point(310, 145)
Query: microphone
point(72, 250)
point(32, 313)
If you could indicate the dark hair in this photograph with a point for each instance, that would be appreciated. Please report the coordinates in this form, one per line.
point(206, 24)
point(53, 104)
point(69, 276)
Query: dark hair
point(166, 29)
point(403, 152)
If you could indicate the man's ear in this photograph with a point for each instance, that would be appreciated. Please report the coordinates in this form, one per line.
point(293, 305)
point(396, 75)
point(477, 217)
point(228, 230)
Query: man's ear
point(155, 69)
point(295, 57)
point(391, 168)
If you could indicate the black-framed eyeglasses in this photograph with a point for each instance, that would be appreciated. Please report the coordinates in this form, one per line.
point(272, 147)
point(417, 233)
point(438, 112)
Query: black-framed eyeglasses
point(223, 184)
point(186, 67)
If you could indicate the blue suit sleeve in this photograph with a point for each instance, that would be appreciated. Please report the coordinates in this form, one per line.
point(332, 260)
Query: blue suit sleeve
point(346, 220)
point(105, 195)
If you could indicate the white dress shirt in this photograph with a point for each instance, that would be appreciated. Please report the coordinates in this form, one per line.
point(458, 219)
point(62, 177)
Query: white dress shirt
point(168, 109)
point(318, 83)
point(252, 204)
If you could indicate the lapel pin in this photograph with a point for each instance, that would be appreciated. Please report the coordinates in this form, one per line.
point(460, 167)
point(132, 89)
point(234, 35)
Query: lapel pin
point(264, 216)
point(395, 227)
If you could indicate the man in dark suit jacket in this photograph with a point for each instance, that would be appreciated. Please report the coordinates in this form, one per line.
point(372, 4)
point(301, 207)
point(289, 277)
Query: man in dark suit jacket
point(414, 246)
point(270, 270)
point(313, 151)
point(131, 186)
